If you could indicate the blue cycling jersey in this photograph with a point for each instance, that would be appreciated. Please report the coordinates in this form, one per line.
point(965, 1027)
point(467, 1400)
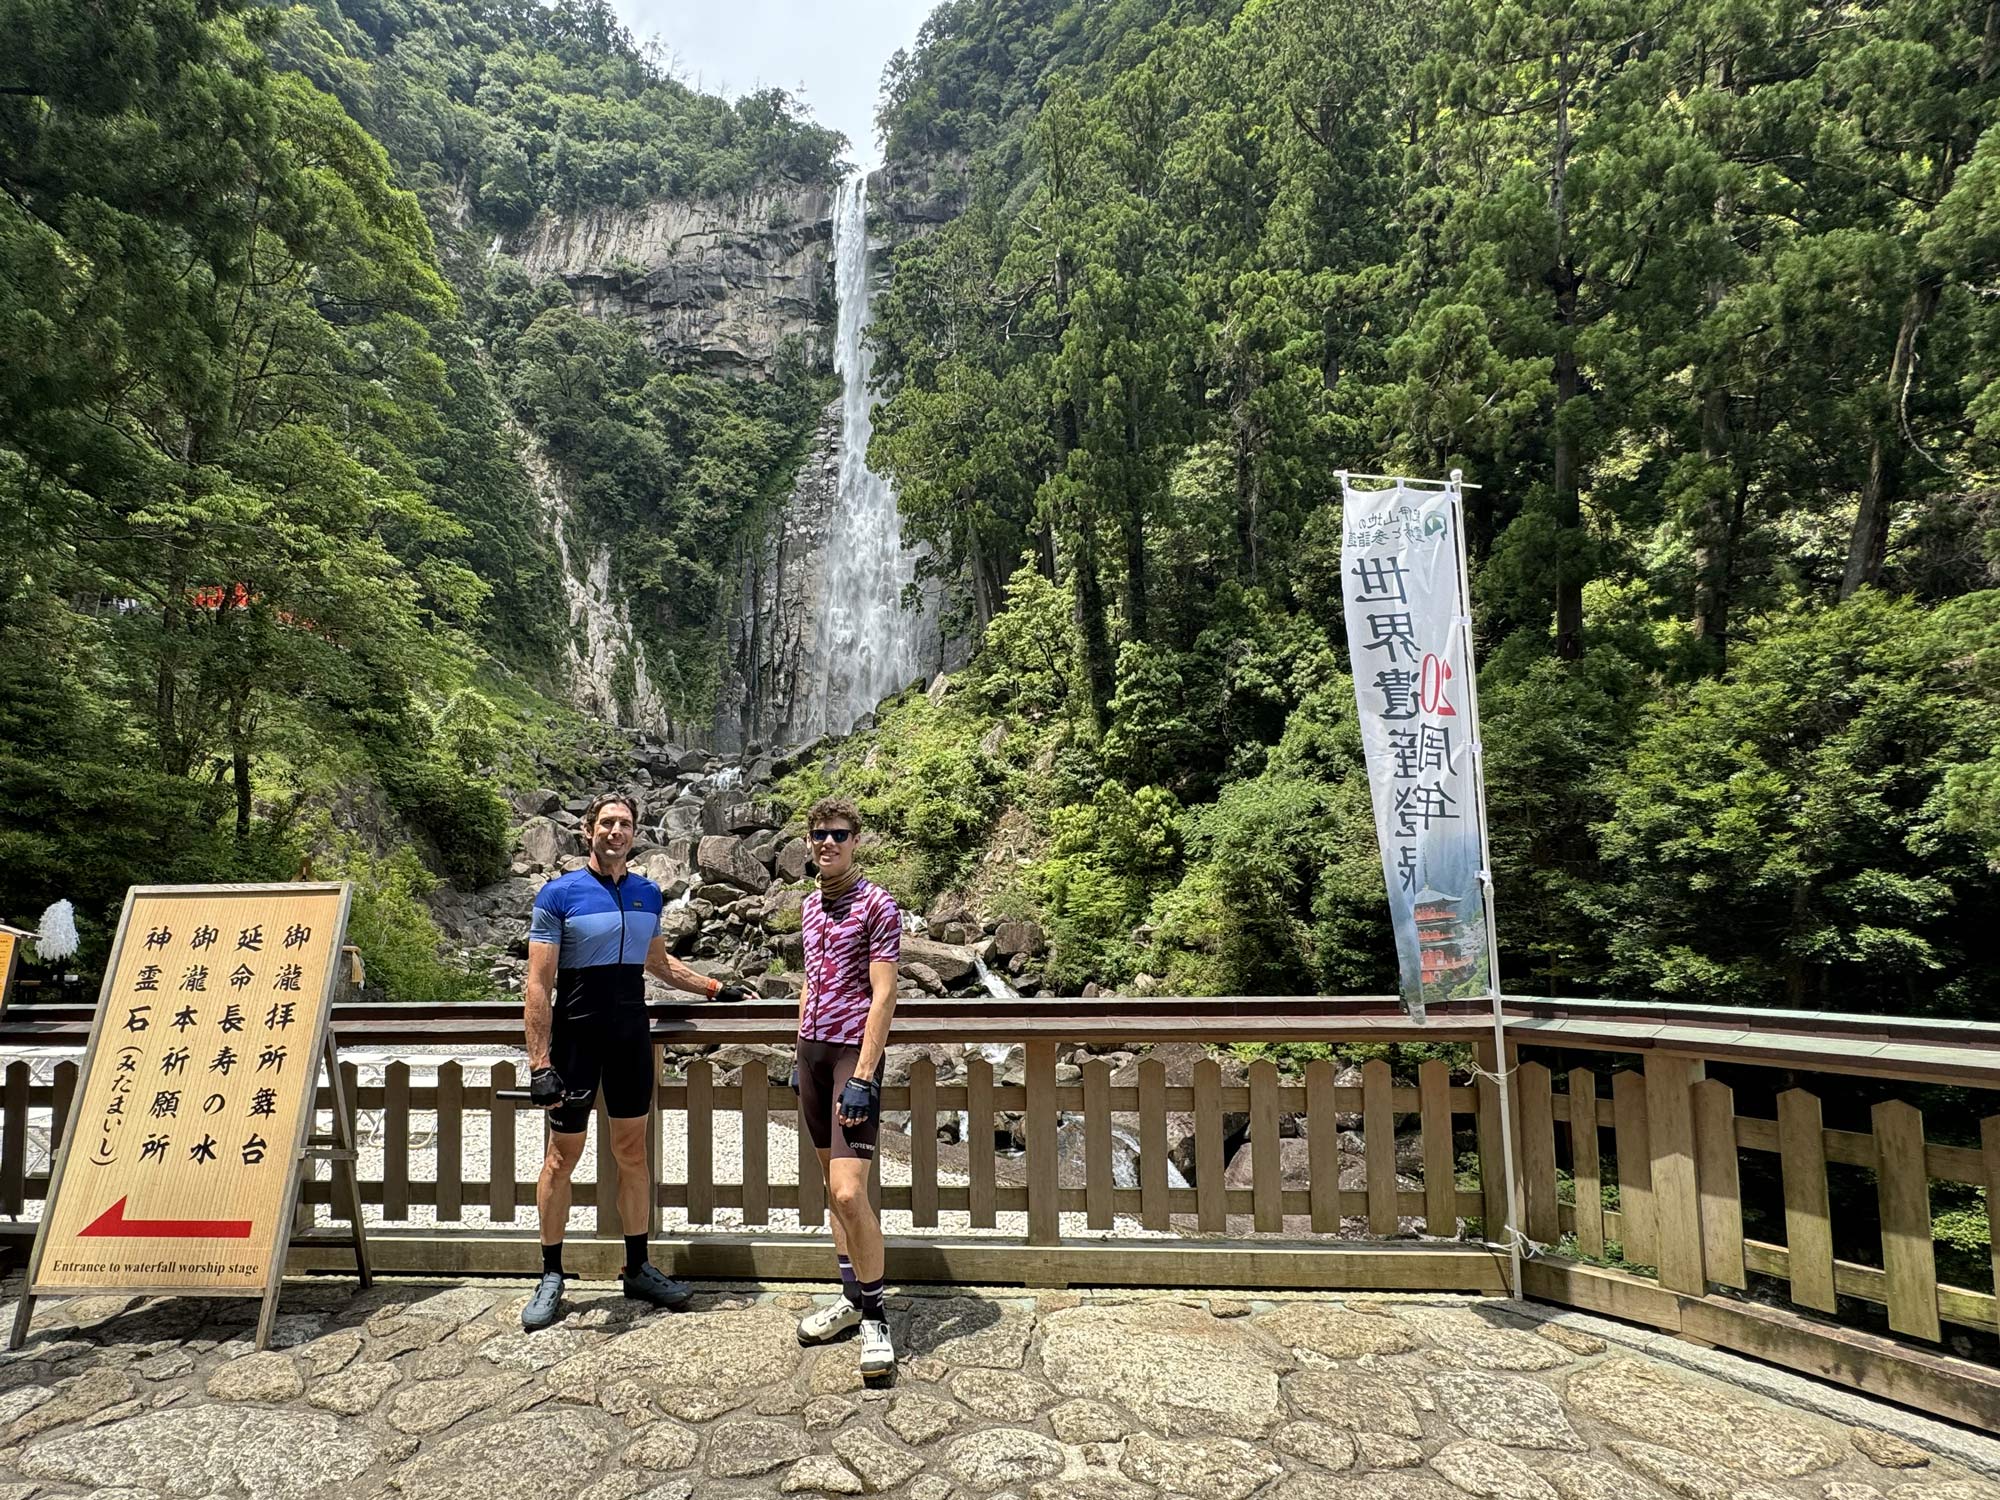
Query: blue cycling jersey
point(603, 931)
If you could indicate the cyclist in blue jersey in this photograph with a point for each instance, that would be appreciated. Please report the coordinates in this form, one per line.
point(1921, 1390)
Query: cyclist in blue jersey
point(594, 936)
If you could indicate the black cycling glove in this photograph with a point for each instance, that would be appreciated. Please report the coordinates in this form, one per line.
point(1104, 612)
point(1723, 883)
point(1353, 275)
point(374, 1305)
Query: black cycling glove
point(545, 1088)
point(859, 1099)
point(735, 993)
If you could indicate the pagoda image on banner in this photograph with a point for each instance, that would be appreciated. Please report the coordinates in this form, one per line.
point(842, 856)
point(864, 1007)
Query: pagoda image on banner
point(1448, 943)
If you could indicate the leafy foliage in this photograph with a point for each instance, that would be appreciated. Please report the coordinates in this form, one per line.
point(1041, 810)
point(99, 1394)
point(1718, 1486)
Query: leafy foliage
point(1702, 314)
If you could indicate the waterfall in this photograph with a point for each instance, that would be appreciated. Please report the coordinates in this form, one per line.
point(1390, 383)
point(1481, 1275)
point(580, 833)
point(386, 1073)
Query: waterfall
point(869, 645)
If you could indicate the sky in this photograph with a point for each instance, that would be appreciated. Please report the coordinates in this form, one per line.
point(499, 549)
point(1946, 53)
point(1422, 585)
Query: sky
point(830, 51)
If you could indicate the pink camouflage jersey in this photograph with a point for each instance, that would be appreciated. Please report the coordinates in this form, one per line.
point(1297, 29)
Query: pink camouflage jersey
point(862, 926)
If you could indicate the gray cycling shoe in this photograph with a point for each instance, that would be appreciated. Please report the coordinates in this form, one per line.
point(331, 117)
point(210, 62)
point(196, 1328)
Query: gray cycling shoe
point(650, 1284)
point(546, 1305)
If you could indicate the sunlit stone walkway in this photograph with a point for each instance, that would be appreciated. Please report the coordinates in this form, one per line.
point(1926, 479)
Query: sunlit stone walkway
point(432, 1392)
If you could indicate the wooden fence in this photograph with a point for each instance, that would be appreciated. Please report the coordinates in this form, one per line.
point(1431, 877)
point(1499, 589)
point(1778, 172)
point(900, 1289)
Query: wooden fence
point(1422, 1198)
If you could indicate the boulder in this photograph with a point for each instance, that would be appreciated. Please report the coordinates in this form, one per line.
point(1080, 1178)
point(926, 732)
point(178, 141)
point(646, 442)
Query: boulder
point(925, 976)
point(952, 965)
point(542, 843)
point(949, 907)
point(681, 821)
point(792, 857)
point(537, 803)
point(1010, 938)
point(680, 927)
point(724, 858)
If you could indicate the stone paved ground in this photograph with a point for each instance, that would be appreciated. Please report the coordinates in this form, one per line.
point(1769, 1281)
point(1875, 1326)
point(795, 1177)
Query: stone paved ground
point(431, 1392)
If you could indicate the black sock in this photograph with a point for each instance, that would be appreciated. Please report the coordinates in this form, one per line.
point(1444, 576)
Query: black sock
point(870, 1297)
point(849, 1287)
point(635, 1252)
point(552, 1258)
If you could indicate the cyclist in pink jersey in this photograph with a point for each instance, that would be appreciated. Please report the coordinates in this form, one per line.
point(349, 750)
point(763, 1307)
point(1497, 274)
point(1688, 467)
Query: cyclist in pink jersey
point(853, 943)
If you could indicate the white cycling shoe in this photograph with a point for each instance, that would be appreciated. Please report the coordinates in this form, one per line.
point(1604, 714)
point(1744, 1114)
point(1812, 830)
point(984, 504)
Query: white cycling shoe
point(878, 1354)
point(830, 1322)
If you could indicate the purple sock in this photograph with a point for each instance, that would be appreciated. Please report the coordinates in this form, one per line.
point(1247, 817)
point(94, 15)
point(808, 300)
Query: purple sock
point(849, 1287)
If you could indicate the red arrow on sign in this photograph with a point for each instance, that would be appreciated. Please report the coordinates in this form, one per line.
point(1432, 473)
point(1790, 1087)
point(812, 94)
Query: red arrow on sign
point(112, 1224)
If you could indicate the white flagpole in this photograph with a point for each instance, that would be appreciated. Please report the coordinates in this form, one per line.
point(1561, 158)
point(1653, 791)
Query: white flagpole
point(1456, 487)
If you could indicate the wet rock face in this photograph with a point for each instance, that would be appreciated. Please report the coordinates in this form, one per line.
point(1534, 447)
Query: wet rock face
point(775, 664)
point(712, 284)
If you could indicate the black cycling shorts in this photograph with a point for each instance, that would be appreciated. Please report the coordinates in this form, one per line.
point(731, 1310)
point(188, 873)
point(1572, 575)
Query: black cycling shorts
point(611, 1049)
point(824, 1068)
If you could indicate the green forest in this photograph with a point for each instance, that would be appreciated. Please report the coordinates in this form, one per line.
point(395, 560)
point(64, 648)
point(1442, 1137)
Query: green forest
point(1704, 297)
point(275, 591)
point(1701, 295)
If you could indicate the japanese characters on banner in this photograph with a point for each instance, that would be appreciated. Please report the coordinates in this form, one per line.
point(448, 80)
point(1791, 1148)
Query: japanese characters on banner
point(188, 1124)
point(1408, 636)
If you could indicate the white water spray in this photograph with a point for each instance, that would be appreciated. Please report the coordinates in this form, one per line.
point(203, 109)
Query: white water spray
point(869, 644)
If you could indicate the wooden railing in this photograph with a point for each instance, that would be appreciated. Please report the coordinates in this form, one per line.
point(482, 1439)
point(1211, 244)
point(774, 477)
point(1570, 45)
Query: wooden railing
point(1607, 1094)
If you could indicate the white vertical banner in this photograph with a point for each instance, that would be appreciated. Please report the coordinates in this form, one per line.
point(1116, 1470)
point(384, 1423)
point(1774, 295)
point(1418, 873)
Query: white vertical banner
point(1409, 640)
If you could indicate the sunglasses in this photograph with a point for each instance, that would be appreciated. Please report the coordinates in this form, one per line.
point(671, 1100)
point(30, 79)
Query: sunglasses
point(838, 835)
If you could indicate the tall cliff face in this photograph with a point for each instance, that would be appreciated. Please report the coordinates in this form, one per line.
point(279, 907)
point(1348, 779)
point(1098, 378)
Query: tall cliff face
point(603, 664)
point(774, 658)
point(713, 284)
point(720, 286)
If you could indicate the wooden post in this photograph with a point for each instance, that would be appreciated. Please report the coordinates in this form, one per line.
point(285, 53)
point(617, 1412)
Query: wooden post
point(1153, 1143)
point(396, 1141)
point(1903, 1189)
point(756, 1111)
point(500, 1183)
point(1676, 1195)
point(347, 1131)
point(1538, 1153)
point(1378, 1140)
point(14, 1143)
point(1266, 1175)
point(701, 1141)
point(1097, 1142)
point(979, 1194)
point(1808, 1231)
point(1492, 1161)
point(450, 1128)
point(1719, 1178)
point(1585, 1167)
point(63, 1098)
point(1633, 1132)
point(923, 1144)
point(1208, 1163)
point(1989, 1152)
point(1440, 1160)
point(1322, 1147)
point(1044, 1214)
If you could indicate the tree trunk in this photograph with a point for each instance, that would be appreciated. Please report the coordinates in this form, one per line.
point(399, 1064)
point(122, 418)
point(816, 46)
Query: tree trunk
point(1100, 674)
point(1132, 522)
point(1569, 503)
point(1868, 548)
point(1248, 498)
point(1569, 513)
point(1715, 543)
point(239, 765)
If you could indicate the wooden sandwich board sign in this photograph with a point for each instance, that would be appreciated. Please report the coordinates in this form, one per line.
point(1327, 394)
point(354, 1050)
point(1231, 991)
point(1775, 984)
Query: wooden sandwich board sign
point(10, 961)
point(179, 1171)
